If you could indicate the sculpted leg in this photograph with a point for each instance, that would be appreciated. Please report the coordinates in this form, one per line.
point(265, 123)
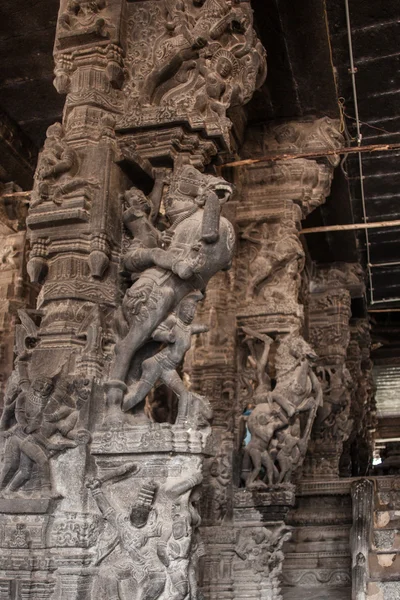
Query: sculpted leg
point(11, 463)
point(151, 371)
point(175, 383)
point(255, 456)
point(39, 457)
point(24, 473)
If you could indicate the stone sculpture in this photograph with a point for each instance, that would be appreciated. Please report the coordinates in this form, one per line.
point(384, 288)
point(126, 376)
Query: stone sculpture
point(176, 331)
point(277, 264)
point(198, 62)
point(278, 441)
point(33, 413)
point(180, 547)
point(130, 534)
point(260, 551)
point(200, 243)
point(148, 87)
point(57, 170)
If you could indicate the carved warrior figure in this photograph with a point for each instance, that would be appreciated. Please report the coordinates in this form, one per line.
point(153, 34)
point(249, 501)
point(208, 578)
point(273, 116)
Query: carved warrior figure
point(180, 547)
point(260, 551)
point(56, 174)
point(176, 331)
point(122, 555)
point(280, 254)
point(278, 438)
point(198, 244)
point(33, 413)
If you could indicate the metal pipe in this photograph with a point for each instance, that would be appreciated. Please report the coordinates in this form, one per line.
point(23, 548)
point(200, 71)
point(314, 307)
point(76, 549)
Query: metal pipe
point(352, 227)
point(353, 72)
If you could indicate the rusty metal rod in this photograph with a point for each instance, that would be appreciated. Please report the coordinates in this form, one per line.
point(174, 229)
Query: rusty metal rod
point(351, 226)
point(16, 194)
point(321, 154)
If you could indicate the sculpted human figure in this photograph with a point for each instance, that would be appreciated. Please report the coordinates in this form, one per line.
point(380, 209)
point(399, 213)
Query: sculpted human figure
point(180, 546)
point(278, 442)
point(218, 91)
point(128, 557)
point(265, 419)
point(279, 249)
point(38, 413)
point(84, 16)
point(176, 332)
point(57, 169)
point(201, 244)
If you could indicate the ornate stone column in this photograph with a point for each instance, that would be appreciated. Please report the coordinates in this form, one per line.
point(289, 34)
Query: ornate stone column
point(15, 290)
point(358, 450)
point(101, 471)
point(273, 362)
point(329, 317)
point(362, 494)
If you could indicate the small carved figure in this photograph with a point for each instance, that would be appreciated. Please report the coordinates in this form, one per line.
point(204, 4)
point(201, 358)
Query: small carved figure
point(220, 476)
point(33, 413)
point(262, 423)
point(261, 551)
point(8, 257)
point(217, 94)
point(83, 16)
point(131, 532)
point(176, 332)
point(57, 168)
point(180, 546)
point(201, 243)
point(279, 250)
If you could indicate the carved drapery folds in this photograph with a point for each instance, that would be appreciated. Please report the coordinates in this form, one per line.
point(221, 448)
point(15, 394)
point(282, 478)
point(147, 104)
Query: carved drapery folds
point(104, 440)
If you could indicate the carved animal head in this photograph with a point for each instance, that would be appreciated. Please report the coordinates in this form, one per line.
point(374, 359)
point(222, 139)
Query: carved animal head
point(191, 187)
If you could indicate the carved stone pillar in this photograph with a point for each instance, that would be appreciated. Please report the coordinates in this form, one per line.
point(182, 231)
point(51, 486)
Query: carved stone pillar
point(15, 290)
point(358, 450)
point(329, 317)
point(362, 494)
point(272, 361)
point(102, 470)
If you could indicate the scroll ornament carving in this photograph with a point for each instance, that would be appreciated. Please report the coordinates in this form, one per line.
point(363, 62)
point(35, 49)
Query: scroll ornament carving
point(172, 269)
point(198, 61)
point(279, 432)
point(314, 135)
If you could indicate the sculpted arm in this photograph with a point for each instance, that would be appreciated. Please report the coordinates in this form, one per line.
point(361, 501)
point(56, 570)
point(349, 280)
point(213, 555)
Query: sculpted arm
point(106, 509)
point(20, 414)
point(199, 329)
point(164, 332)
